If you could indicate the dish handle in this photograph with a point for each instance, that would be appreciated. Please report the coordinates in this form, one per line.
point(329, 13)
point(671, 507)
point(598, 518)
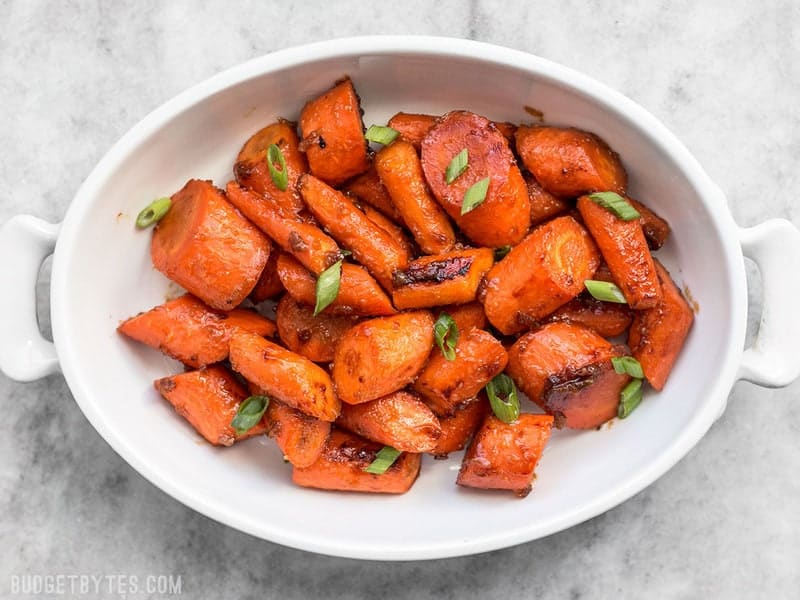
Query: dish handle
point(774, 358)
point(25, 355)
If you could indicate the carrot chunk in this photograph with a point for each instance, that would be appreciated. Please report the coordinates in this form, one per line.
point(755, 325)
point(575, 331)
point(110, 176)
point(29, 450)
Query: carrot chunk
point(390, 227)
point(368, 188)
point(187, 330)
point(504, 456)
point(333, 134)
point(544, 205)
point(606, 318)
point(400, 420)
point(343, 460)
point(300, 437)
point(285, 375)
point(458, 428)
point(204, 245)
point(208, 399)
point(658, 334)
point(310, 336)
point(546, 270)
point(466, 316)
point(435, 280)
point(269, 284)
point(656, 230)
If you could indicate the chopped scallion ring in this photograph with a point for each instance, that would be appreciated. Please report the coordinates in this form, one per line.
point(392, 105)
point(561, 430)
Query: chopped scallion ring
point(457, 166)
point(381, 134)
point(445, 332)
point(279, 176)
point(249, 413)
point(503, 398)
point(153, 212)
point(328, 286)
point(616, 204)
point(629, 398)
point(475, 195)
point(629, 365)
point(605, 291)
point(383, 460)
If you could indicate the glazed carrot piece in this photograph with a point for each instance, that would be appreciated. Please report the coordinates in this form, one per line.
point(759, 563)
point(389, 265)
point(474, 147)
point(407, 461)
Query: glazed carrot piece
point(390, 227)
point(504, 456)
point(544, 205)
point(251, 170)
point(333, 134)
point(606, 318)
point(368, 188)
point(204, 245)
point(208, 399)
point(413, 127)
point(569, 162)
point(658, 334)
point(508, 130)
point(445, 384)
point(359, 293)
point(656, 230)
point(400, 171)
point(566, 369)
point(269, 284)
point(400, 420)
point(382, 355)
point(466, 316)
point(300, 437)
point(310, 336)
point(546, 270)
point(439, 279)
point(343, 460)
point(187, 330)
point(626, 253)
point(287, 376)
point(306, 242)
point(503, 217)
point(459, 427)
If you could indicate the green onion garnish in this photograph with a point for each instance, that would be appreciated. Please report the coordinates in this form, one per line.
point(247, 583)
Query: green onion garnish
point(445, 332)
point(503, 398)
point(629, 365)
point(328, 286)
point(500, 253)
point(383, 460)
point(475, 195)
point(153, 212)
point(279, 176)
point(457, 166)
point(249, 413)
point(605, 291)
point(630, 398)
point(616, 204)
point(381, 135)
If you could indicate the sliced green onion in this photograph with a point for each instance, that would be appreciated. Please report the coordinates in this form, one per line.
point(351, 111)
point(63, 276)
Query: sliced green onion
point(381, 134)
point(617, 205)
point(383, 460)
point(279, 176)
point(629, 398)
point(445, 332)
point(605, 291)
point(153, 212)
point(475, 195)
point(503, 398)
point(249, 413)
point(629, 365)
point(457, 166)
point(328, 286)
point(500, 253)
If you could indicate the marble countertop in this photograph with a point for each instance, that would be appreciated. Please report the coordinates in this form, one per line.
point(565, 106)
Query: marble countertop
point(723, 76)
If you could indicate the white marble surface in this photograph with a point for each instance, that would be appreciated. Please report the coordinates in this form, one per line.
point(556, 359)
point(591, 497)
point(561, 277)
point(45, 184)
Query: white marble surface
point(724, 76)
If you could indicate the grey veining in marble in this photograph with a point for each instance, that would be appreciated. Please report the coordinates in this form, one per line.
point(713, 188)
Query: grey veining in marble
point(724, 76)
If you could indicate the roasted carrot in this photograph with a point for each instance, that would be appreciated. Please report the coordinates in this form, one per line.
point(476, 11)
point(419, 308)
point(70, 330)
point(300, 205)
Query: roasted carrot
point(503, 216)
point(269, 284)
point(544, 205)
point(503, 456)
point(300, 437)
point(333, 134)
point(413, 127)
point(400, 171)
point(208, 399)
point(368, 188)
point(189, 331)
point(400, 420)
point(390, 227)
point(626, 253)
point(656, 230)
point(444, 384)
point(204, 245)
point(380, 356)
point(310, 336)
point(440, 279)
point(508, 130)
point(466, 316)
point(359, 293)
point(306, 242)
point(373, 247)
point(606, 318)
point(569, 162)
point(343, 460)
point(547, 269)
point(286, 375)
point(458, 428)
point(566, 369)
point(658, 334)
point(251, 170)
